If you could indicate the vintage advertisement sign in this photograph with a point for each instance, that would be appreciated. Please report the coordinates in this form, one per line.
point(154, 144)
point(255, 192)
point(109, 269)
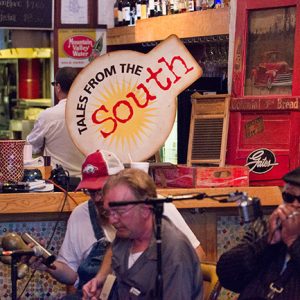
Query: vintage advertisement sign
point(254, 127)
point(125, 101)
point(261, 161)
point(77, 47)
point(260, 103)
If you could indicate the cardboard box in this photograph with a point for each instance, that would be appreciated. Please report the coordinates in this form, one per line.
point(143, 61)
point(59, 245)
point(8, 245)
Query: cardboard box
point(179, 176)
point(222, 176)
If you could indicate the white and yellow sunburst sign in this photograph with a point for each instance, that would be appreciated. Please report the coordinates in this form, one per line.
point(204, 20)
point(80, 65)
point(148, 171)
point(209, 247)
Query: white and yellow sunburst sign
point(125, 101)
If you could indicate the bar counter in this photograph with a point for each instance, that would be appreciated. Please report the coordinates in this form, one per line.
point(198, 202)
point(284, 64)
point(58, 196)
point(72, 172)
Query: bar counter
point(217, 225)
point(51, 202)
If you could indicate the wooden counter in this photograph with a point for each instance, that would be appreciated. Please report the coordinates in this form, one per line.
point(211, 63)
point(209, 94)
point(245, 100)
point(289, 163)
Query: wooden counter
point(24, 203)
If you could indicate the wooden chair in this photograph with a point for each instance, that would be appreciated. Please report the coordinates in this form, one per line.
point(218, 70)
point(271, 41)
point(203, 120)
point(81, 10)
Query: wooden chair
point(211, 282)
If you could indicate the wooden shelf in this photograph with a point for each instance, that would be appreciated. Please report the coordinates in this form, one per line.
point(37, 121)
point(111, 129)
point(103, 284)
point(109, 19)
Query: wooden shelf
point(193, 24)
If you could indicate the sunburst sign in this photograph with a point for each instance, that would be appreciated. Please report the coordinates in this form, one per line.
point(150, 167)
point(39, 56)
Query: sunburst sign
point(125, 101)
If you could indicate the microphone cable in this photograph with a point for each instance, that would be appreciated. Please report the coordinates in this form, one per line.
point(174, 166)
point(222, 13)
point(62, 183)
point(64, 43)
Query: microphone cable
point(63, 190)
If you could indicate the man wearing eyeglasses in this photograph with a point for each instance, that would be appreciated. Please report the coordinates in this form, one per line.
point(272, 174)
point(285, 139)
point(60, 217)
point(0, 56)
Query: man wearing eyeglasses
point(134, 250)
point(50, 136)
point(89, 233)
point(268, 267)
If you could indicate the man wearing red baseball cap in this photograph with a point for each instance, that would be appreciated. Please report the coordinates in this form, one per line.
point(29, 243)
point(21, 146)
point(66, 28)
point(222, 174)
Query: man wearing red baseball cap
point(89, 233)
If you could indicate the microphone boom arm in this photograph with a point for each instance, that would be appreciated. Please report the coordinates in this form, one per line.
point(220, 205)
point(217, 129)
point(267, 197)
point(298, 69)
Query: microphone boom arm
point(232, 197)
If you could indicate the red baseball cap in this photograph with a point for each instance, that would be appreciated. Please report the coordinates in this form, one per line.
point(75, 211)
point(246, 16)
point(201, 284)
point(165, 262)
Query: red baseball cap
point(96, 169)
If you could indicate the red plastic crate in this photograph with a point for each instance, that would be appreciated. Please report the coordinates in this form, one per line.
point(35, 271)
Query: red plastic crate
point(175, 176)
point(222, 176)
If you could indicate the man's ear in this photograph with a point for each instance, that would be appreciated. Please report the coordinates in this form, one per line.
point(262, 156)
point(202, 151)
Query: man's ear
point(58, 86)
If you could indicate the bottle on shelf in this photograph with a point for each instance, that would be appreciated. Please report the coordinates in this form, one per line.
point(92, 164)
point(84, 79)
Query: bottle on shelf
point(181, 6)
point(144, 9)
point(211, 3)
point(126, 12)
point(132, 13)
point(175, 6)
point(171, 6)
point(219, 3)
point(116, 11)
point(138, 9)
point(204, 4)
point(120, 13)
point(164, 7)
point(157, 8)
point(190, 5)
point(197, 4)
point(151, 9)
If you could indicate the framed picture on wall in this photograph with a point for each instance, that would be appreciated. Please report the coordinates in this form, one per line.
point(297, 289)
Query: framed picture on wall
point(74, 12)
point(267, 41)
point(77, 13)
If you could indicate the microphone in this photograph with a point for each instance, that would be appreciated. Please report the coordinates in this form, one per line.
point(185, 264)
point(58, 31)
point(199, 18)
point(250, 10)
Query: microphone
point(48, 258)
point(249, 208)
point(23, 252)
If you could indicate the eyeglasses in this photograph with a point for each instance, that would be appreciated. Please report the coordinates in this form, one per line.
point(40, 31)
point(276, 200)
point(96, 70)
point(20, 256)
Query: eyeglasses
point(118, 212)
point(289, 198)
point(91, 192)
point(53, 83)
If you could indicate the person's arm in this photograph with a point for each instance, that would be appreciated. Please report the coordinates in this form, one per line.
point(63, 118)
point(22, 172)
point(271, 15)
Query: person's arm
point(200, 253)
point(59, 270)
point(36, 137)
point(236, 267)
point(70, 253)
point(92, 289)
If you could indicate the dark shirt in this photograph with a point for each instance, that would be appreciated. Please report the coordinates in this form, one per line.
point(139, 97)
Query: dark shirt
point(251, 267)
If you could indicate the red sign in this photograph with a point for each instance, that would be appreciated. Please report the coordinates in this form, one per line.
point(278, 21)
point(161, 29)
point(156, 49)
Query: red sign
point(78, 46)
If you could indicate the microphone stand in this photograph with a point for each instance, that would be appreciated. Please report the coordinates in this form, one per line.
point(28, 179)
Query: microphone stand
point(14, 276)
point(14, 271)
point(158, 211)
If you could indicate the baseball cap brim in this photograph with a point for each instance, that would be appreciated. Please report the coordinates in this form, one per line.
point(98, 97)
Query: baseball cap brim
point(92, 183)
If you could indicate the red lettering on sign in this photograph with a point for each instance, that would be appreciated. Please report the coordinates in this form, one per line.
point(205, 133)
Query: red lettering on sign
point(117, 105)
point(148, 96)
point(171, 66)
point(95, 120)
